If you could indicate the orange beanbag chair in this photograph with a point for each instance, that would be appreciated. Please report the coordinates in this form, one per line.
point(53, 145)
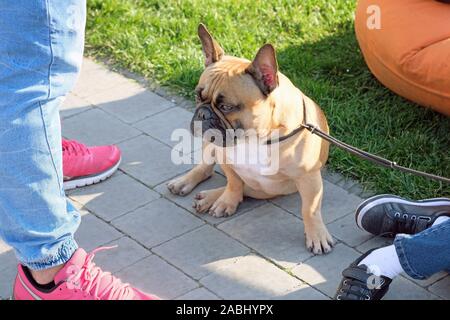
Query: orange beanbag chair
point(408, 48)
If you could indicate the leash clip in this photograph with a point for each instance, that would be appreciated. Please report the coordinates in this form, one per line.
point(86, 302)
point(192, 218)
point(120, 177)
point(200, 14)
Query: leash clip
point(311, 128)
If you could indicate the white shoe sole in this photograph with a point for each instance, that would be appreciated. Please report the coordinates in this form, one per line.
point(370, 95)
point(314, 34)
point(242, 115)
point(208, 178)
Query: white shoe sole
point(382, 199)
point(87, 181)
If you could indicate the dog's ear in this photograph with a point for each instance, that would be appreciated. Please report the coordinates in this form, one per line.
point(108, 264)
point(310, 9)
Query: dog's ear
point(211, 49)
point(264, 69)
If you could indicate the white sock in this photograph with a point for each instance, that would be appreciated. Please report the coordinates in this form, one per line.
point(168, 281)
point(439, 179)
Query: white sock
point(440, 220)
point(384, 262)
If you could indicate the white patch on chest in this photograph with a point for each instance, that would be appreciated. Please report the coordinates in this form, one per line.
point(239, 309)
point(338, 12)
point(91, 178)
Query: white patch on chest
point(256, 163)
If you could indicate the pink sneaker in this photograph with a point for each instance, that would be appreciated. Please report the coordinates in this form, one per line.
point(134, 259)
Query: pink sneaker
point(84, 165)
point(80, 279)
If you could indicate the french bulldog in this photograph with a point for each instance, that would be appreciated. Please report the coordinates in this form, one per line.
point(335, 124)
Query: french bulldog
point(254, 96)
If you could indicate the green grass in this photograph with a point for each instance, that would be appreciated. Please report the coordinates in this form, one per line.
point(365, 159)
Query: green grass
point(316, 48)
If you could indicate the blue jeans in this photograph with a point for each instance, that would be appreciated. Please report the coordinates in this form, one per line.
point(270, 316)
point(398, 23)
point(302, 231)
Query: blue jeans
point(425, 253)
point(41, 49)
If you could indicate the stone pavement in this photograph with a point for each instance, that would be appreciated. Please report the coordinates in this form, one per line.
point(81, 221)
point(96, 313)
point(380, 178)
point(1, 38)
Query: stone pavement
point(166, 248)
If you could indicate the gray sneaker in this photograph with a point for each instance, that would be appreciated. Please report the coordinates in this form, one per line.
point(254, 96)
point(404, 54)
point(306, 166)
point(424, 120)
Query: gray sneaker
point(387, 215)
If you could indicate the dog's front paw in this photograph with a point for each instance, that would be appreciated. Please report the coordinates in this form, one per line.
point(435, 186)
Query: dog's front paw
point(181, 186)
point(225, 206)
point(205, 199)
point(318, 240)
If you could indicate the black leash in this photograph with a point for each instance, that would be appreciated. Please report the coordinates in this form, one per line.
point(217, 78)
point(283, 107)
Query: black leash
point(369, 156)
point(302, 126)
point(353, 150)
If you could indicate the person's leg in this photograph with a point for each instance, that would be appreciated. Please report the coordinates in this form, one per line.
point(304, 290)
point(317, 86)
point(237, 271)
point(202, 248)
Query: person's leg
point(420, 255)
point(41, 47)
point(390, 215)
point(425, 253)
point(412, 251)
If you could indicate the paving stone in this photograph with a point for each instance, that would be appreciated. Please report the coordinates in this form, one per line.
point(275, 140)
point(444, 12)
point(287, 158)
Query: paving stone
point(95, 79)
point(202, 251)
point(336, 202)
point(162, 125)
point(357, 190)
point(346, 183)
point(375, 242)
point(403, 289)
point(149, 161)
point(427, 282)
point(251, 277)
point(156, 276)
point(346, 230)
point(73, 105)
point(331, 176)
point(4, 247)
point(8, 270)
point(127, 253)
point(7, 275)
point(442, 288)
point(157, 222)
point(82, 210)
point(215, 181)
point(188, 144)
point(114, 197)
point(7, 255)
point(96, 127)
point(197, 158)
point(272, 232)
point(324, 272)
point(186, 154)
point(198, 294)
point(367, 194)
point(89, 66)
point(130, 102)
point(304, 292)
point(94, 233)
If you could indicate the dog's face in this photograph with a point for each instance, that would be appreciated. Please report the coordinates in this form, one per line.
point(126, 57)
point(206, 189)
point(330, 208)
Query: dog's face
point(233, 93)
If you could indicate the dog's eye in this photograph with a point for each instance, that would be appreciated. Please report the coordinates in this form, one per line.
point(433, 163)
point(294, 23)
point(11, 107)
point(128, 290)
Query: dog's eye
point(226, 108)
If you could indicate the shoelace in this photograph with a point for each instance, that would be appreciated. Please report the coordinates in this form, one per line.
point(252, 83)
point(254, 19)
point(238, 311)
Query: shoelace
point(353, 287)
point(72, 147)
point(410, 223)
point(88, 279)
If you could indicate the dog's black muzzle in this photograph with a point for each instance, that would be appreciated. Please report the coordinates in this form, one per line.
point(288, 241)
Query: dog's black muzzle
point(213, 129)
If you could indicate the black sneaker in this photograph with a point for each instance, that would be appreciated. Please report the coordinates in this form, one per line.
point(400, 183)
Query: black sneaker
point(360, 284)
point(387, 215)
